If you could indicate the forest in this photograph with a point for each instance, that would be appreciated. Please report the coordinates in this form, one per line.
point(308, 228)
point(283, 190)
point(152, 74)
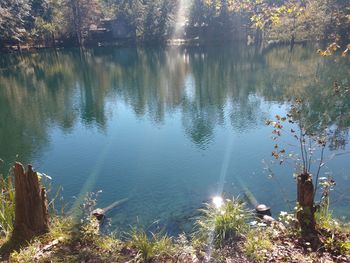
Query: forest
point(48, 23)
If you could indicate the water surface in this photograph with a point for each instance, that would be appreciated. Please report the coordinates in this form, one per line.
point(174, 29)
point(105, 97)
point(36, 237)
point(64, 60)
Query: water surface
point(167, 128)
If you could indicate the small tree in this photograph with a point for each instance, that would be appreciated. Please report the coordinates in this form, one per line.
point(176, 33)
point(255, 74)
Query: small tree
point(307, 143)
point(312, 139)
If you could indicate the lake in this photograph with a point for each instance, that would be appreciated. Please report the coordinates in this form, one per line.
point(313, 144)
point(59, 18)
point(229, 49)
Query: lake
point(168, 128)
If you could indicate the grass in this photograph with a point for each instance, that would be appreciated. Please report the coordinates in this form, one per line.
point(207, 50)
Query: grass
point(150, 246)
point(257, 244)
point(7, 206)
point(224, 223)
point(68, 241)
point(333, 233)
point(60, 231)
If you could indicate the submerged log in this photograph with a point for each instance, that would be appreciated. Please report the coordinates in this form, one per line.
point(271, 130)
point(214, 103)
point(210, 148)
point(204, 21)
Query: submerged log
point(31, 213)
point(100, 213)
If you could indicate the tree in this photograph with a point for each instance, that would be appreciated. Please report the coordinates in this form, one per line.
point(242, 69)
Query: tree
point(12, 20)
point(291, 20)
point(49, 21)
point(313, 131)
point(134, 11)
point(80, 16)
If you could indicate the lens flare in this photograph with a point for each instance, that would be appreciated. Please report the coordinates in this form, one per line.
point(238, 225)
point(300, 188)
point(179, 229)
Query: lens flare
point(218, 201)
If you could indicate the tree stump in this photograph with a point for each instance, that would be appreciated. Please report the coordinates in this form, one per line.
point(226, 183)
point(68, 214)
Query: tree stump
point(31, 213)
point(306, 209)
point(305, 194)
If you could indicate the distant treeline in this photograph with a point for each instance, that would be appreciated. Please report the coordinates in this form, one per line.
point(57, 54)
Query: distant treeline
point(70, 22)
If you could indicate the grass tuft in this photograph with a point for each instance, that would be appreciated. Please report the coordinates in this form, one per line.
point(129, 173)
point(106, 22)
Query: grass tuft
point(224, 223)
point(150, 246)
point(7, 206)
point(257, 244)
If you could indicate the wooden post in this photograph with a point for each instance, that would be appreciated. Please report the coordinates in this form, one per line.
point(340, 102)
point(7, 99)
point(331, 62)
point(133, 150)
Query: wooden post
point(31, 214)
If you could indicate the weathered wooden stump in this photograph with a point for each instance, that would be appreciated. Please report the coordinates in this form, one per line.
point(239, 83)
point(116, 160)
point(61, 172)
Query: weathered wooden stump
point(306, 210)
point(31, 213)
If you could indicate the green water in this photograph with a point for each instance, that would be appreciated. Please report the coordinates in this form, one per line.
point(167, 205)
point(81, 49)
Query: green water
point(167, 128)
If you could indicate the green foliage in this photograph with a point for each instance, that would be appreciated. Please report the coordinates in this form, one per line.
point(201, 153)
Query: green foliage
point(150, 246)
point(335, 237)
point(60, 233)
point(223, 223)
point(90, 228)
point(153, 20)
point(65, 244)
point(7, 205)
point(287, 19)
point(257, 244)
point(300, 20)
point(218, 19)
point(42, 21)
point(323, 214)
point(13, 16)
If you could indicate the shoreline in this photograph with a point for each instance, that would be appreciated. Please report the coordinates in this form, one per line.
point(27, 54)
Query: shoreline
point(266, 44)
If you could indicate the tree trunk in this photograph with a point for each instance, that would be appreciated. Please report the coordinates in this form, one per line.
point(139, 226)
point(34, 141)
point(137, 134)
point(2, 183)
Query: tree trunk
point(306, 208)
point(77, 21)
point(292, 42)
point(31, 213)
point(53, 40)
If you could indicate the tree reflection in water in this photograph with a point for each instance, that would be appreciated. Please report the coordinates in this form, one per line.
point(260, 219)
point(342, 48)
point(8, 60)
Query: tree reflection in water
point(205, 85)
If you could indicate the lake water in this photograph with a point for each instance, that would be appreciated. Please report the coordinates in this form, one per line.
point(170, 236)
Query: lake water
point(168, 128)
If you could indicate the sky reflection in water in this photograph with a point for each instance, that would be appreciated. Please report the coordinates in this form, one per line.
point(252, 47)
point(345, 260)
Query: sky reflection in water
point(166, 128)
